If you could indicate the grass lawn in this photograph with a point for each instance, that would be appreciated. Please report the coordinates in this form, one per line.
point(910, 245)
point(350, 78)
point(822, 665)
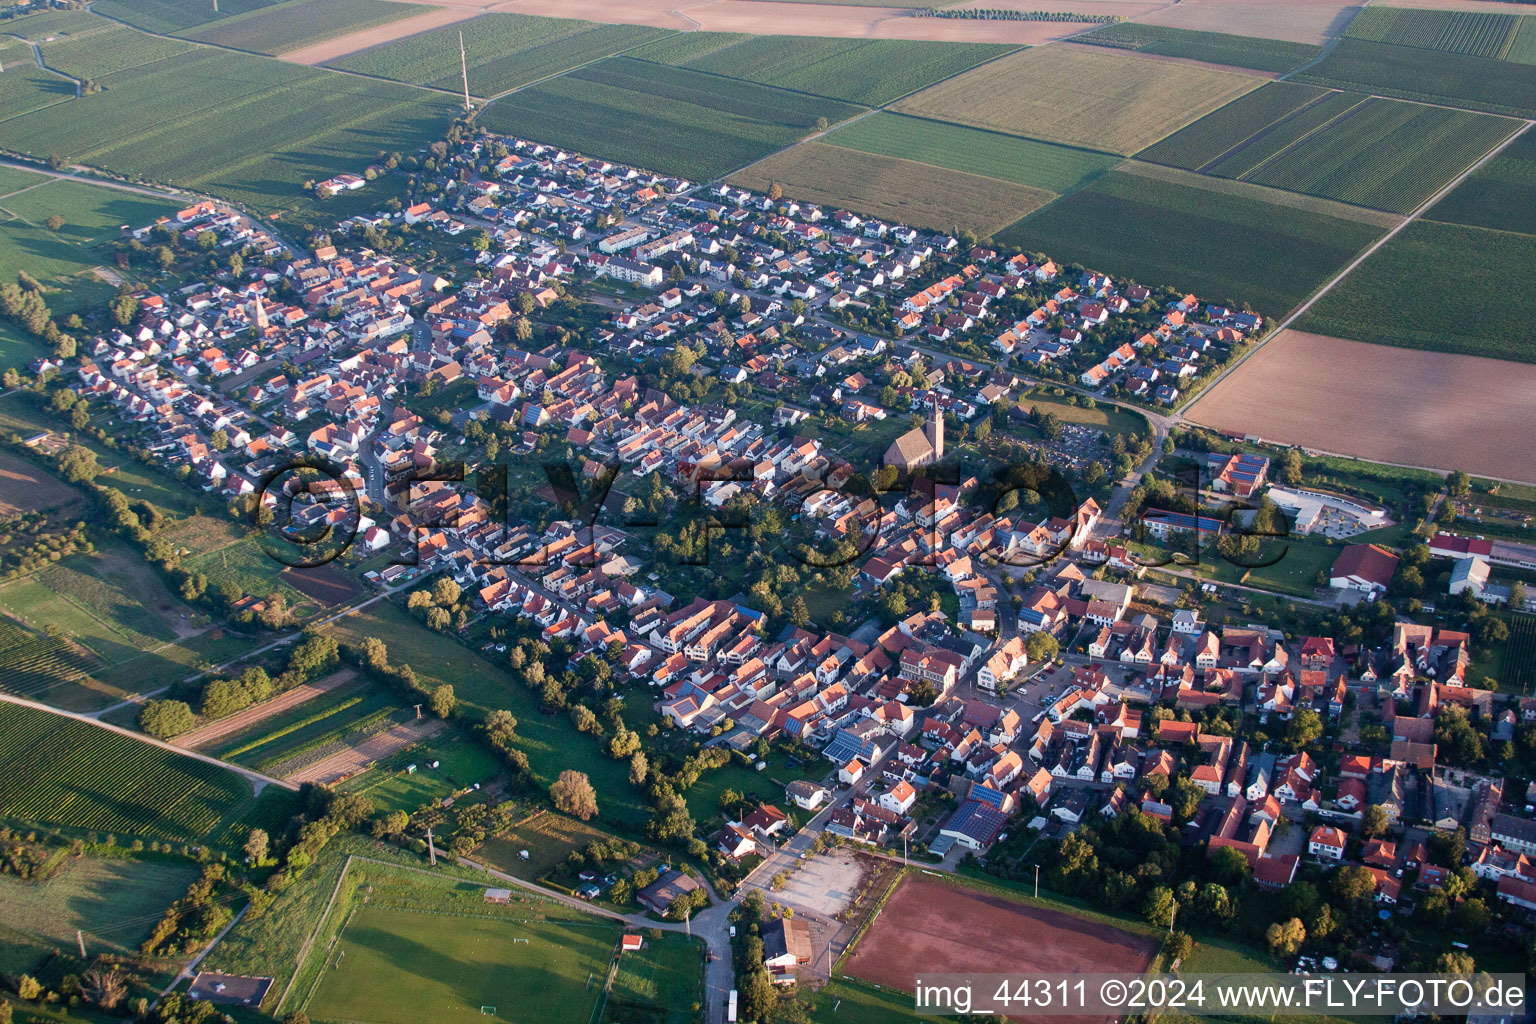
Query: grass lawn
point(658, 985)
point(850, 1001)
point(446, 968)
point(548, 837)
point(114, 902)
point(550, 741)
point(1109, 418)
point(766, 786)
point(92, 215)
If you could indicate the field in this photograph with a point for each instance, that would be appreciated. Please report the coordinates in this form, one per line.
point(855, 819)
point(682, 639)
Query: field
point(248, 128)
point(59, 772)
point(1216, 133)
point(1411, 73)
point(463, 967)
point(462, 762)
point(550, 741)
point(30, 663)
point(51, 23)
point(894, 189)
point(659, 984)
point(766, 786)
point(868, 71)
point(1042, 165)
point(1386, 154)
point(168, 17)
point(1111, 419)
point(930, 925)
point(28, 87)
point(327, 585)
point(278, 745)
point(548, 837)
point(504, 51)
point(1314, 22)
point(1442, 287)
point(107, 47)
point(671, 120)
point(1233, 247)
point(1475, 34)
point(114, 903)
point(1253, 153)
point(25, 488)
point(246, 565)
point(286, 26)
point(1500, 194)
point(1421, 408)
point(1081, 97)
point(1216, 47)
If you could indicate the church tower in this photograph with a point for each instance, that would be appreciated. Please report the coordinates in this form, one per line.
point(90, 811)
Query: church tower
point(936, 429)
point(259, 314)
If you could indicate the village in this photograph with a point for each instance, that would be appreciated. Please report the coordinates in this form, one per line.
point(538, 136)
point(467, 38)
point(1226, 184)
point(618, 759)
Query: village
point(1035, 680)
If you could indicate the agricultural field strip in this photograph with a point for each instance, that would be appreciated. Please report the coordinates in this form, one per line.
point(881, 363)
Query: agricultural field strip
point(1268, 128)
point(1282, 136)
point(1302, 309)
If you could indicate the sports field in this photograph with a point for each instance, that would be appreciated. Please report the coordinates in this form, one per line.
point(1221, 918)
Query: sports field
point(1500, 194)
point(672, 120)
point(658, 984)
point(286, 26)
point(1244, 245)
point(458, 967)
point(1441, 287)
point(1415, 408)
point(867, 71)
point(503, 51)
point(1081, 97)
point(894, 189)
point(1434, 76)
point(1215, 47)
point(59, 772)
point(929, 925)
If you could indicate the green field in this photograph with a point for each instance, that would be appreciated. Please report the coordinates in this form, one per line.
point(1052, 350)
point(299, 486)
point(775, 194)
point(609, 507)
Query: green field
point(106, 49)
point(1221, 130)
point(1500, 194)
point(766, 786)
point(459, 967)
point(894, 189)
point(1523, 49)
point(1472, 33)
point(287, 26)
point(659, 984)
point(1081, 97)
point(548, 837)
point(1331, 110)
point(1443, 287)
point(52, 23)
point(248, 128)
point(28, 88)
point(671, 120)
point(1386, 154)
point(504, 51)
point(462, 762)
point(1411, 73)
point(114, 903)
point(868, 71)
point(246, 565)
point(550, 741)
point(59, 772)
point(171, 16)
point(973, 151)
point(1216, 47)
point(1230, 248)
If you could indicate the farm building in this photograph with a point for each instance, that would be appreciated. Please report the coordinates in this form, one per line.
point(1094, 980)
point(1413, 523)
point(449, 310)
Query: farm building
point(786, 945)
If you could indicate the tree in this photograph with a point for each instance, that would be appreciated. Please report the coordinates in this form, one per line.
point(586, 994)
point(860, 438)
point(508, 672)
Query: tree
point(443, 700)
point(29, 988)
point(163, 719)
point(572, 793)
point(1178, 945)
point(1353, 882)
point(638, 768)
point(77, 465)
point(1458, 484)
point(1286, 939)
point(445, 592)
point(1158, 910)
point(1454, 963)
point(1291, 467)
point(1306, 727)
point(54, 222)
point(1373, 821)
point(1041, 646)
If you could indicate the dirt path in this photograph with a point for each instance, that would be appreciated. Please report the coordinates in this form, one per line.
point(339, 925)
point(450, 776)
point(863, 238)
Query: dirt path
point(232, 724)
point(355, 42)
point(350, 762)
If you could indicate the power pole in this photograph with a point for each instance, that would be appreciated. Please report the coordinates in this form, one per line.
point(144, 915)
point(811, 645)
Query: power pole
point(418, 710)
point(464, 70)
point(80, 939)
point(1037, 881)
point(431, 847)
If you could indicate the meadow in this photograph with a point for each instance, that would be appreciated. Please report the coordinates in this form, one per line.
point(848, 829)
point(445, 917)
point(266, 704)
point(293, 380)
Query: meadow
point(55, 771)
point(1500, 194)
point(168, 17)
point(286, 26)
point(114, 903)
point(1231, 247)
point(1104, 101)
point(1434, 76)
point(1476, 34)
point(973, 151)
point(671, 120)
point(1442, 287)
point(658, 984)
point(246, 127)
point(504, 51)
point(1218, 132)
point(548, 837)
point(106, 49)
point(1216, 47)
point(872, 72)
point(894, 189)
point(1387, 154)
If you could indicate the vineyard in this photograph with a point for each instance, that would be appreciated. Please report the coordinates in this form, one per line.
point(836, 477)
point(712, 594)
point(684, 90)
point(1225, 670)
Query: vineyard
point(171, 16)
point(1520, 654)
point(1254, 153)
point(32, 662)
point(1434, 76)
point(290, 25)
point(58, 772)
point(1474, 34)
point(1216, 47)
point(1221, 130)
point(108, 49)
point(1500, 194)
point(1388, 155)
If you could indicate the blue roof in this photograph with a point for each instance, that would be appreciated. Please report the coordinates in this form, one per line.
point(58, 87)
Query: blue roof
point(845, 746)
point(977, 821)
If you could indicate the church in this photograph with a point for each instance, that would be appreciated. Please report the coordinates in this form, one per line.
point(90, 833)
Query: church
point(919, 447)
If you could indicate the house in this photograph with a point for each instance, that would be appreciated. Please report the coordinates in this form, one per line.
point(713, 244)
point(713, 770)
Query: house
point(1367, 568)
point(1327, 843)
point(975, 825)
point(657, 896)
point(806, 795)
point(900, 797)
point(786, 945)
